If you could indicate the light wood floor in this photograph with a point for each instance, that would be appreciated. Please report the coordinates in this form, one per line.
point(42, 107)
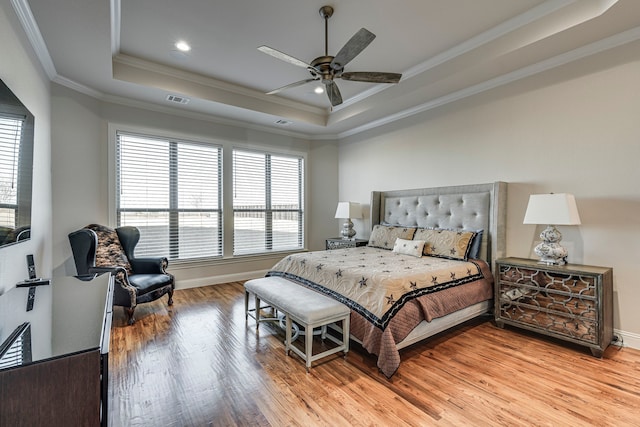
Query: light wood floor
point(200, 364)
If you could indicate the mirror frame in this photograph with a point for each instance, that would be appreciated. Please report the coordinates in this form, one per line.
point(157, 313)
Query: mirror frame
point(20, 231)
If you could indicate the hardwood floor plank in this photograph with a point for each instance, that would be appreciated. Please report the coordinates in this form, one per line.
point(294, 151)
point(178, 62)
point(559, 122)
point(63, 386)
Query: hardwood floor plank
point(199, 363)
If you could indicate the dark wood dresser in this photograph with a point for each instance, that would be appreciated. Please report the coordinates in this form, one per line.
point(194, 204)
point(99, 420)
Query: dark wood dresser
point(69, 386)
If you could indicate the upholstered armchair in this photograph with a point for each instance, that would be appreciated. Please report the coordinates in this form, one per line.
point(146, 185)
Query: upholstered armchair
point(99, 249)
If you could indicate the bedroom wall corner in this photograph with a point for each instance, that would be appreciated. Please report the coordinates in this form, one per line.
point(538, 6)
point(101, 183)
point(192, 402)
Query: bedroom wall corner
point(323, 192)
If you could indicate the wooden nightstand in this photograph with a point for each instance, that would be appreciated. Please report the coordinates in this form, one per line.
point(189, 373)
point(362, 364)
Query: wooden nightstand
point(340, 243)
point(570, 302)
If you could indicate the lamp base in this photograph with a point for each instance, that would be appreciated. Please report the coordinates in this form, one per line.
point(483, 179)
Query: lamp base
point(550, 251)
point(347, 232)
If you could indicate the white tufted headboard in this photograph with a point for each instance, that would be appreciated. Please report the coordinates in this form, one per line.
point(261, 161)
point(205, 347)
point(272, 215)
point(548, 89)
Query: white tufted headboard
point(468, 207)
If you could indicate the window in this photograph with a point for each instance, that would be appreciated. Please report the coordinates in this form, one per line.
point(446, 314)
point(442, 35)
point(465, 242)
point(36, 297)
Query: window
point(268, 200)
point(10, 136)
point(171, 190)
point(16, 349)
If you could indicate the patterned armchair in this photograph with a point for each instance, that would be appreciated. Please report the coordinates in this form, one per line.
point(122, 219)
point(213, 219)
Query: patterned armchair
point(98, 249)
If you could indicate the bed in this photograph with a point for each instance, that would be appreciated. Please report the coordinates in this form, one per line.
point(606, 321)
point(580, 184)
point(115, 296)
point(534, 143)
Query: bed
point(399, 296)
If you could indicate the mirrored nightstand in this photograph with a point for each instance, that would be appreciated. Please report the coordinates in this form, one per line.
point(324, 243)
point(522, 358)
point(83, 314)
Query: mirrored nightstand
point(340, 243)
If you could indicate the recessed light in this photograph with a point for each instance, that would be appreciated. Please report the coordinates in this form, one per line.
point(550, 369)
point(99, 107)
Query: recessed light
point(319, 89)
point(183, 46)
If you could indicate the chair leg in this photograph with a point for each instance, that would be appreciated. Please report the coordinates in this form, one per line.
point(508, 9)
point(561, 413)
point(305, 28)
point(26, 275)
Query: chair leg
point(246, 305)
point(170, 297)
point(131, 319)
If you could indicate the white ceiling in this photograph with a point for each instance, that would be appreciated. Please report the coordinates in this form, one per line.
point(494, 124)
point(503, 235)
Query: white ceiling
point(122, 50)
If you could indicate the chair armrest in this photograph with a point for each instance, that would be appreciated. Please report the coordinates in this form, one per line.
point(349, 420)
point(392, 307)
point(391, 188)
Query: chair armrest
point(154, 265)
point(100, 270)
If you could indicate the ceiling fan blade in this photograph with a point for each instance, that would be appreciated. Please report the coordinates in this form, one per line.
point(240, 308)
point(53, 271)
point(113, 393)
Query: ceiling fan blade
point(283, 56)
point(333, 93)
point(352, 48)
point(291, 85)
point(371, 77)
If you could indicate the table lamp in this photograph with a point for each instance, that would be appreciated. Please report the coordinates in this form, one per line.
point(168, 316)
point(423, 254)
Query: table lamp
point(348, 210)
point(552, 209)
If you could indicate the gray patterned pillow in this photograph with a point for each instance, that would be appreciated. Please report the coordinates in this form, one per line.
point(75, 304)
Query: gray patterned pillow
point(444, 243)
point(384, 236)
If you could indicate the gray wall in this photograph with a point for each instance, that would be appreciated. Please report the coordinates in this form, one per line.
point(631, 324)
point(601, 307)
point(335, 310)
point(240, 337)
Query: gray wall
point(574, 129)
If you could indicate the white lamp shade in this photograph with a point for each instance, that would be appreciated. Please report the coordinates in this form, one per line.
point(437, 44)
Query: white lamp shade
point(348, 210)
point(552, 209)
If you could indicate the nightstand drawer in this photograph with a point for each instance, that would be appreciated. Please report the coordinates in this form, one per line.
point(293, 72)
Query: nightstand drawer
point(560, 283)
point(572, 319)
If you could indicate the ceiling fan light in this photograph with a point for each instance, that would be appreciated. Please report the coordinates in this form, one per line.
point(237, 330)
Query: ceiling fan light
point(319, 90)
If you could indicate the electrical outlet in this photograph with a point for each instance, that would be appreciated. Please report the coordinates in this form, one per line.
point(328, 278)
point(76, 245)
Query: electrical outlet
point(617, 341)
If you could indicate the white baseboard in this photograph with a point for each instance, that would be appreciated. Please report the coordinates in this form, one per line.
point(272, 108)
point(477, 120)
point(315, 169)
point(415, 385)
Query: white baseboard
point(627, 339)
point(215, 280)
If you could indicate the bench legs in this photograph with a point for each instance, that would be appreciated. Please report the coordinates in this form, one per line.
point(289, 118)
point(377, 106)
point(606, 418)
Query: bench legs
point(290, 326)
point(255, 314)
point(255, 311)
point(308, 355)
point(287, 335)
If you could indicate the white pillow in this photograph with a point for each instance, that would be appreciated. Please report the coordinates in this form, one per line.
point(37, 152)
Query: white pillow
point(409, 247)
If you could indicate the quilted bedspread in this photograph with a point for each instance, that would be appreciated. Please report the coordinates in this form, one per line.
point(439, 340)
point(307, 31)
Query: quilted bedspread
point(379, 285)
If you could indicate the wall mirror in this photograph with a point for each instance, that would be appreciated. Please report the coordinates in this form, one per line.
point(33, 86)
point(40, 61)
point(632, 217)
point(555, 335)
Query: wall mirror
point(16, 168)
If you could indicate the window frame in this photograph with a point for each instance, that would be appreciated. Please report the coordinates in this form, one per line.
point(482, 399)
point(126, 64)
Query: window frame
point(268, 210)
point(228, 146)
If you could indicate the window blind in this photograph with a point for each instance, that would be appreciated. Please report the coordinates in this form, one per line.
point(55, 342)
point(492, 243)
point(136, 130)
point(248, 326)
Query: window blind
point(172, 191)
point(16, 349)
point(268, 200)
point(10, 136)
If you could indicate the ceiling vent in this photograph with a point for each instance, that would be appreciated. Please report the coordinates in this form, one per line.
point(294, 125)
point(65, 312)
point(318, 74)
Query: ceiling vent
point(283, 122)
point(178, 99)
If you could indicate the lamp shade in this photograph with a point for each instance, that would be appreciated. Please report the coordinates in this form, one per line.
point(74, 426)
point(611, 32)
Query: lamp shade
point(556, 209)
point(348, 210)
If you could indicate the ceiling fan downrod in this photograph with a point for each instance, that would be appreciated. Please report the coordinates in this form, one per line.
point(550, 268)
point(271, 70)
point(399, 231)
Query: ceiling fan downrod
point(326, 12)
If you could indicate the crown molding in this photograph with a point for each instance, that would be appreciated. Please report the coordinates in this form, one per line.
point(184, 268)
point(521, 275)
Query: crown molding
point(214, 83)
point(129, 102)
point(548, 64)
point(481, 39)
point(26, 18)
point(28, 22)
point(71, 84)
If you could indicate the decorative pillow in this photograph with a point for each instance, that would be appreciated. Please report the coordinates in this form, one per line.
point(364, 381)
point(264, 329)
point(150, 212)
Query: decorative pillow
point(109, 252)
point(384, 236)
point(444, 243)
point(474, 250)
point(409, 247)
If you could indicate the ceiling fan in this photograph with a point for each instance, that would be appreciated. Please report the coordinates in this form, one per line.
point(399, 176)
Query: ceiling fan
point(327, 68)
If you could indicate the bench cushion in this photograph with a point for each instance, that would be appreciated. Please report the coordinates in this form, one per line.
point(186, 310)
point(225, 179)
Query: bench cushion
point(300, 302)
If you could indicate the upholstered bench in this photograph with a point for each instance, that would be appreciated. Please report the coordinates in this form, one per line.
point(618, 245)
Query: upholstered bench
point(302, 305)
